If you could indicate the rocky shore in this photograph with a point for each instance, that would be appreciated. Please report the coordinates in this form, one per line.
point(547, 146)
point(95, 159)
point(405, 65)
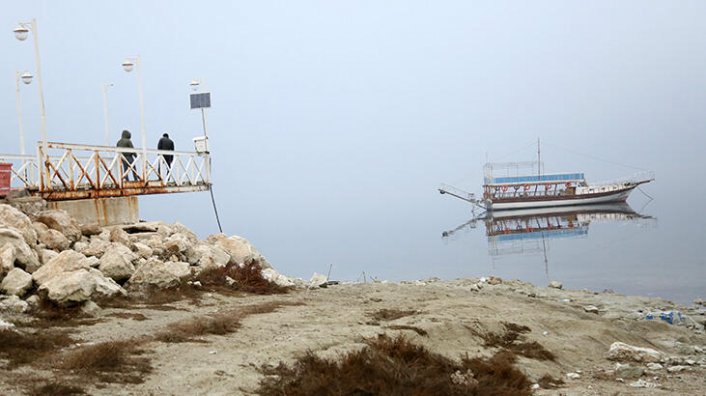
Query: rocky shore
point(70, 291)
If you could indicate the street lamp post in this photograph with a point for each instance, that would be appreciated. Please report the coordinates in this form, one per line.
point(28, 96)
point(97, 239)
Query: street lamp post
point(105, 111)
point(128, 65)
point(26, 78)
point(21, 32)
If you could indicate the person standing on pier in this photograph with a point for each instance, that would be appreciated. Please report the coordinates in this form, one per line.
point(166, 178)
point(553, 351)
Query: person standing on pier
point(165, 143)
point(128, 157)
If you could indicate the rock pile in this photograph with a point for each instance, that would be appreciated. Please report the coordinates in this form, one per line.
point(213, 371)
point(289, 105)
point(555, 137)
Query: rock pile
point(46, 254)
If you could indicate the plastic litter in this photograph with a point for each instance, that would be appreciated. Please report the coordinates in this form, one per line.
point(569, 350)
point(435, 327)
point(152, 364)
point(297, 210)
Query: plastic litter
point(670, 317)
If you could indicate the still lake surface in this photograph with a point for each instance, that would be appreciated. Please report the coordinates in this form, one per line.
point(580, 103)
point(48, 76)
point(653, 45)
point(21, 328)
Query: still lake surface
point(656, 251)
point(650, 247)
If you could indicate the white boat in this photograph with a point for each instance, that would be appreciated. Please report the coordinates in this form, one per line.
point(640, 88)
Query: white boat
point(550, 190)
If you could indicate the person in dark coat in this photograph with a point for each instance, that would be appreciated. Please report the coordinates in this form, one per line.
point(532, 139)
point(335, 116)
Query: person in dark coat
point(128, 157)
point(165, 143)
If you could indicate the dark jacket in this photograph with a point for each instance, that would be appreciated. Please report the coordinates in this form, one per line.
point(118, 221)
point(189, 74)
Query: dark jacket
point(165, 143)
point(126, 142)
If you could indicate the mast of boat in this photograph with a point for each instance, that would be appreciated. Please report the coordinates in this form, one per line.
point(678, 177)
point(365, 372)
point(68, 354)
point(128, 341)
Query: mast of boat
point(539, 162)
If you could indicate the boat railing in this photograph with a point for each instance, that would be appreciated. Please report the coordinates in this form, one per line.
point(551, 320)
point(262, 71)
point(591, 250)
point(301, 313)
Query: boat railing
point(635, 178)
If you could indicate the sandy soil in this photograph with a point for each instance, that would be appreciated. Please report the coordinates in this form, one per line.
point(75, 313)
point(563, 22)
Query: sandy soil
point(337, 319)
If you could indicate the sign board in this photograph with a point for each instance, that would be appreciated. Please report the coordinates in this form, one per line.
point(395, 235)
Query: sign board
point(201, 100)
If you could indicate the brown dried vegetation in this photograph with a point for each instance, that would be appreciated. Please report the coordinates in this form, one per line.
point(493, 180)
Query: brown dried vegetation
point(233, 277)
point(510, 340)
point(218, 324)
point(112, 361)
point(415, 329)
point(395, 366)
point(56, 388)
point(21, 347)
point(549, 382)
point(391, 314)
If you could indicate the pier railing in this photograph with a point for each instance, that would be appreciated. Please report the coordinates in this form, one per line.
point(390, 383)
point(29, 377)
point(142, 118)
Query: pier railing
point(75, 171)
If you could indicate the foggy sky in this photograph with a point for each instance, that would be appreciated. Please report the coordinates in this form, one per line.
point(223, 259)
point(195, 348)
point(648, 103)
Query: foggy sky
point(337, 119)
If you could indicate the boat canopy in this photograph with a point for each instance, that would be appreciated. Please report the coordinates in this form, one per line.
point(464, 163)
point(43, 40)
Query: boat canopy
point(560, 177)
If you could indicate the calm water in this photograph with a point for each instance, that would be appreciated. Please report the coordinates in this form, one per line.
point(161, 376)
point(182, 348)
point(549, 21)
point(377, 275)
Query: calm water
point(656, 251)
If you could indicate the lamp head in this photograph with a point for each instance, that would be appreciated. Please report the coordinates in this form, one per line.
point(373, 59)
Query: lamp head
point(26, 77)
point(21, 32)
point(128, 65)
point(194, 84)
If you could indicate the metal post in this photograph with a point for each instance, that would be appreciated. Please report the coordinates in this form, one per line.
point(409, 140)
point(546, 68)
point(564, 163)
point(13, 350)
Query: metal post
point(19, 115)
point(45, 152)
point(203, 121)
point(105, 113)
point(142, 118)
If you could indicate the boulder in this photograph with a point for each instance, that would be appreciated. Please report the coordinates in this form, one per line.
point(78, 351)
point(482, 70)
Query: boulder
point(89, 230)
point(61, 221)
point(7, 259)
point(6, 325)
point(239, 249)
point(96, 247)
point(117, 263)
point(52, 239)
point(13, 304)
point(555, 285)
point(627, 353)
point(178, 228)
point(275, 277)
point(118, 235)
point(66, 261)
point(13, 218)
point(142, 250)
point(626, 371)
point(160, 274)
point(45, 255)
point(23, 255)
point(16, 283)
point(210, 256)
point(177, 243)
point(79, 286)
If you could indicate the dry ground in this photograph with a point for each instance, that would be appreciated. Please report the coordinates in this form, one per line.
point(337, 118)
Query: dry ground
point(219, 345)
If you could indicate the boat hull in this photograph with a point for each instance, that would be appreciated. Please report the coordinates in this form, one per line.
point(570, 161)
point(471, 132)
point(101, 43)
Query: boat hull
point(565, 200)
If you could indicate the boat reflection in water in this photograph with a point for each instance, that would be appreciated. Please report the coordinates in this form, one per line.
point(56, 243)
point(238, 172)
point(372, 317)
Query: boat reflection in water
point(526, 231)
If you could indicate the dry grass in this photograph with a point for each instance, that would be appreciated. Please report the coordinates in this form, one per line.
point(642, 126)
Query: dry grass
point(56, 388)
point(247, 278)
point(219, 324)
point(391, 314)
point(21, 348)
point(154, 297)
point(549, 382)
point(511, 340)
point(395, 366)
point(112, 361)
point(129, 315)
point(48, 314)
point(415, 329)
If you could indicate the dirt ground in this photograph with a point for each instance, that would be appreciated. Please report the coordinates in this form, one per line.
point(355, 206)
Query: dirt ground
point(443, 316)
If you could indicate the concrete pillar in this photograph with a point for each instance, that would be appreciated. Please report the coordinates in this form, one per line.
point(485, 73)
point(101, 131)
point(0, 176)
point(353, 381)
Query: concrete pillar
point(101, 211)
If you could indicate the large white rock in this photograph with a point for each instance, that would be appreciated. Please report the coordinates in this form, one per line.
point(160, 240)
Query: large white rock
point(79, 286)
point(7, 258)
point(118, 235)
point(66, 261)
point(117, 263)
point(61, 221)
point(208, 257)
point(6, 325)
point(52, 239)
point(45, 255)
point(177, 243)
point(239, 249)
point(143, 250)
point(96, 247)
point(161, 274)
point(23, 254)
point(183, 230)
point(623, 352)
point(16, 282)
point(13, 304)
point(13, 218)
point(276, 278)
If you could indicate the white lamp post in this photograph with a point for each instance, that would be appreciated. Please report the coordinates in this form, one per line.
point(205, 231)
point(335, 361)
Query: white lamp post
point(105, 111)
point(21, 32)
point(26, 78)
point(128, 65)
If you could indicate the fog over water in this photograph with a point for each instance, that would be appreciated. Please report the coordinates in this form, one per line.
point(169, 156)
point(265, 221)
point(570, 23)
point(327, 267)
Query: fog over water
point(333, 123)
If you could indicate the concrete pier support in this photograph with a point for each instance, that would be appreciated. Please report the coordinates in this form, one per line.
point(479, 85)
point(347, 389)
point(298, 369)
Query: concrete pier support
point(101, 211)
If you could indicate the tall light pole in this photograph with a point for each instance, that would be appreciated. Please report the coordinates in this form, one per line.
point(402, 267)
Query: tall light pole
point(128, 65)
point(105, 111)
point(26, 78)
point(21, 32)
